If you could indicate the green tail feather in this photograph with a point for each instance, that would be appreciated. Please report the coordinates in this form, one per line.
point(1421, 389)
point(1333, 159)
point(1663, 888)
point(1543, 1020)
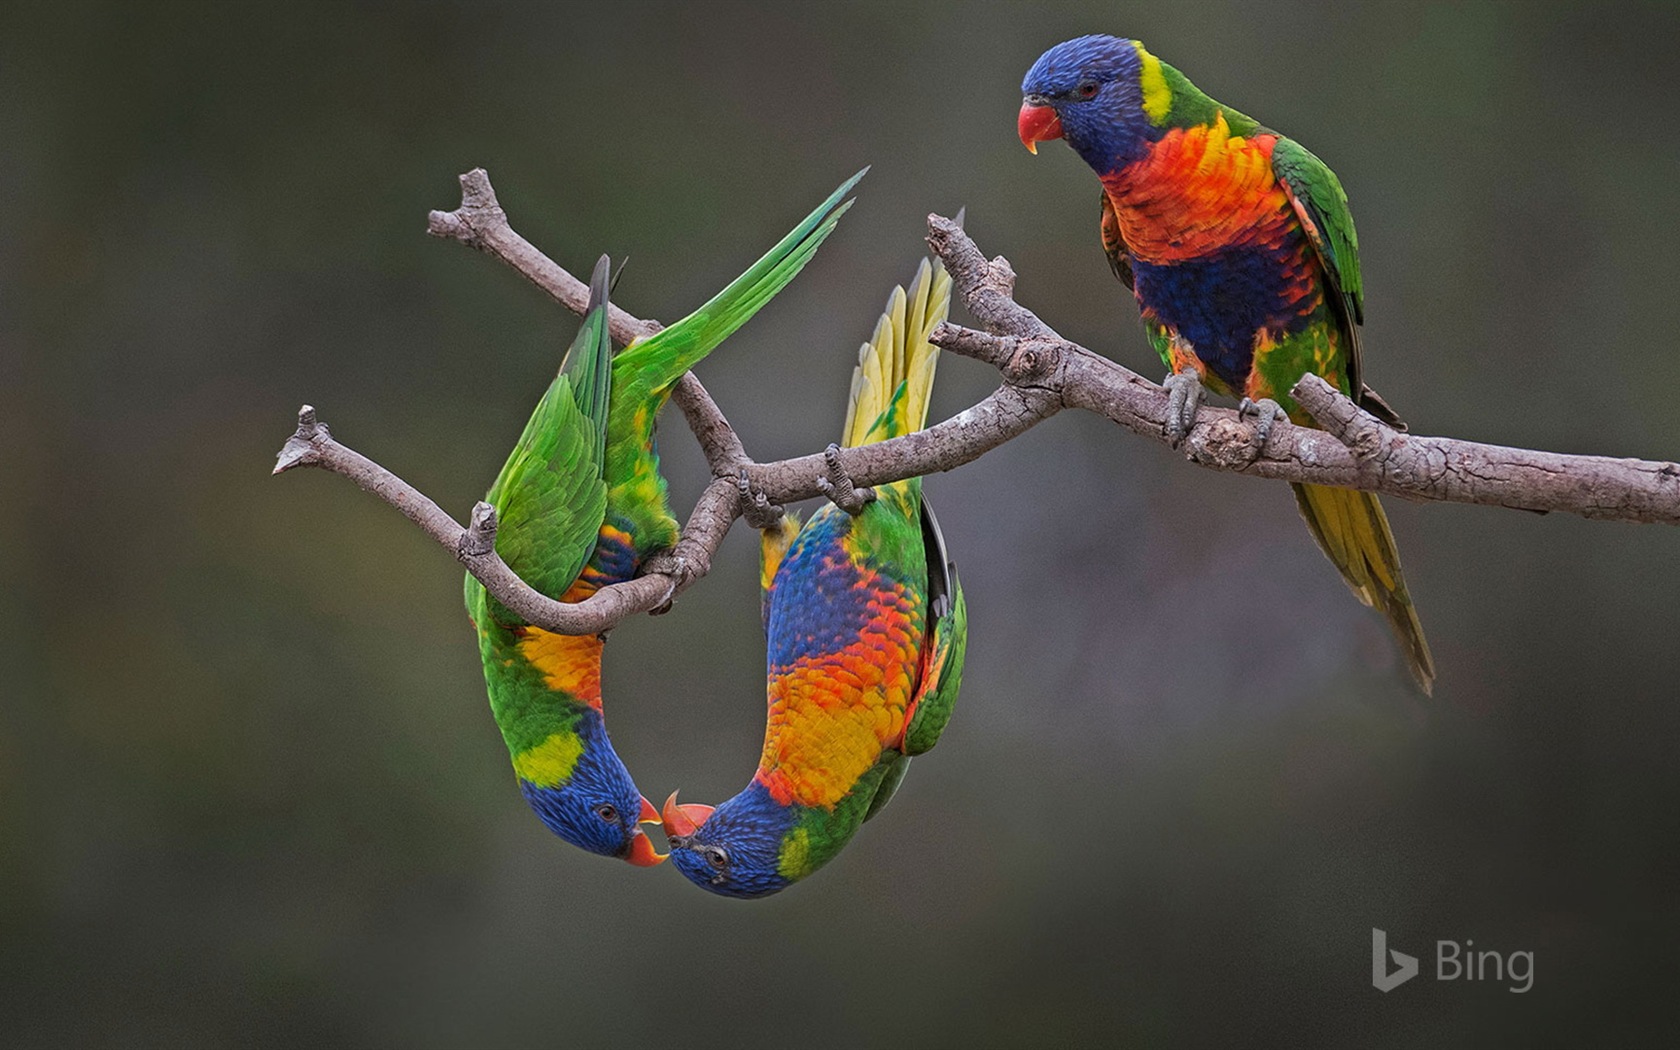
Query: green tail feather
point(1353, 532)
point(645, 372)
point(589, 361)
point(656, 363)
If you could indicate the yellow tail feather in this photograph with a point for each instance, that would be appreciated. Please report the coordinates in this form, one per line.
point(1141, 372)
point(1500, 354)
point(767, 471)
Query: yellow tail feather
point(895, 368)
point(1353, 532)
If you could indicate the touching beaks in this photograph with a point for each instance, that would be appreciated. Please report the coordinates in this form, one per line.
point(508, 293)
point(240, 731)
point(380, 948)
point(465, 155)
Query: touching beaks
point(684, 820)
point(1037, 124)
point(642, 854)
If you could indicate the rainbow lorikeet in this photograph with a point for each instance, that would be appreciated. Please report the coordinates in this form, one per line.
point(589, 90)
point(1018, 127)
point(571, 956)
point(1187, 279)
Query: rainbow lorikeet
point(581, 504)
point(1240, 249)
point(866, 626)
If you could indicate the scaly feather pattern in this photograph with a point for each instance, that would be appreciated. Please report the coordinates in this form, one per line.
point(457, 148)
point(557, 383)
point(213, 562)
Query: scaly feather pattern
point(1240, 250)
point(866, 627)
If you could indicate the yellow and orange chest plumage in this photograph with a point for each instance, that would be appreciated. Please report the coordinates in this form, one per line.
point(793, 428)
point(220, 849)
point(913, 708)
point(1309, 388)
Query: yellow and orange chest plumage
point(1198, 191)
point(844, 658)
point(1221, 265)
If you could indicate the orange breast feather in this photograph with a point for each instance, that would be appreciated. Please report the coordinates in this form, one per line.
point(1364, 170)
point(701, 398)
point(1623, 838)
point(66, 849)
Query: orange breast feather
point(1198, 191)
point(833, 713)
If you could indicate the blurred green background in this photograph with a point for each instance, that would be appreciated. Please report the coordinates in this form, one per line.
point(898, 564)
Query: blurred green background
point(250, 792)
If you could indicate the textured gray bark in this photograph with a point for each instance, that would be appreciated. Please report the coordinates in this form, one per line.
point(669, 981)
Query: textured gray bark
point(1042, 374)
point(1354, 450)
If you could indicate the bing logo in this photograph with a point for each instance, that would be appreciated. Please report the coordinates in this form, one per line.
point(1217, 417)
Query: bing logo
point(1381, 979)
point(1453, 962)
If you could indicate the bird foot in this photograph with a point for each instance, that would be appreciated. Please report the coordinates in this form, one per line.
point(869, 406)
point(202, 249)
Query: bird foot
point(756, 509)
point(668, 563)
point(1184, 400)
point(1265, 412)
point(838, 487)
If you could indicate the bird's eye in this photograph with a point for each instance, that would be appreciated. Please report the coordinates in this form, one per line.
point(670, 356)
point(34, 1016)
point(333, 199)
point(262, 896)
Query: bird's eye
point(607, 812)
point(717, 858)
point(1087, 89)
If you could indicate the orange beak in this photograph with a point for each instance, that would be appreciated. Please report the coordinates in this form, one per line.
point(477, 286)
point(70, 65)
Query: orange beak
point(1037, 124)
point(684, 820)
point(642, 854)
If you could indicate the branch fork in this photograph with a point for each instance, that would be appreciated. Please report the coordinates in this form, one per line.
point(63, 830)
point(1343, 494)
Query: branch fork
point(1042, 374)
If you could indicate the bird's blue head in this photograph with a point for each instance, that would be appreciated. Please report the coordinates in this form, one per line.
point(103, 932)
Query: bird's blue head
point(735, 849)
point(596, 807)
point(1103, 94)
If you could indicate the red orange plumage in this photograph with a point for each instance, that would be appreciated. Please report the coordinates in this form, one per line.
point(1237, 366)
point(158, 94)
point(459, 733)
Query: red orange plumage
point(865, 626)
point(1239, 248)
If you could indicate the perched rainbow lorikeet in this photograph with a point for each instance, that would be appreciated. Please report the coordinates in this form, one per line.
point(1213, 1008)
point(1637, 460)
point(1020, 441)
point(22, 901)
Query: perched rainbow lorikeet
point(1240, 249)
point(866, 626)
point(580, 505)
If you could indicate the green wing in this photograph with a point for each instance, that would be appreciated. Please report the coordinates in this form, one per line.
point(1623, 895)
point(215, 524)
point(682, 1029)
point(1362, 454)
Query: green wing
point(550, 498)
point(1321, 202)
point(897, 765)
point(654, 364)
point(1322, 206)
point(942, 663)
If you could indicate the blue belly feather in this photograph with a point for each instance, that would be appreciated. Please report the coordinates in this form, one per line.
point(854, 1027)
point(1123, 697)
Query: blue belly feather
point(1219, 302)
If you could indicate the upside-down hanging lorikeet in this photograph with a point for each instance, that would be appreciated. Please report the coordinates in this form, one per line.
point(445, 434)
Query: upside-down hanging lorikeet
point(866, 627)
point(581, 504)
point(1240, 249)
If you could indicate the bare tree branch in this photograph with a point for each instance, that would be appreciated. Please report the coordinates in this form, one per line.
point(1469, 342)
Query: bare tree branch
point(1042, 374)
point(314, 446)
point(481, 223)
point(718, 440)
point(1354, 450)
